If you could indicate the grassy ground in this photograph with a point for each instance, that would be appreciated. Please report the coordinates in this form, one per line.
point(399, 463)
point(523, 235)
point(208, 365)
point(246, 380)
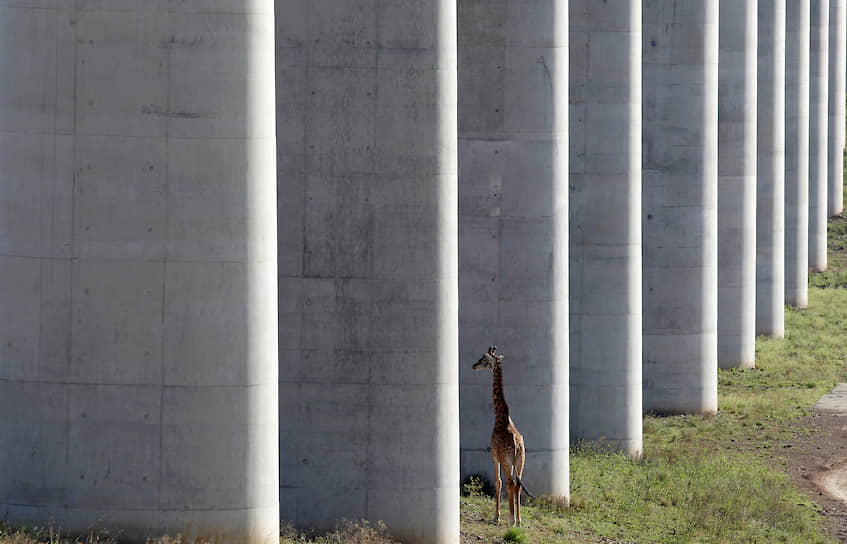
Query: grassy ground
point(348, 532)
point(706, 479)
point(702, 479)
point(835, 275)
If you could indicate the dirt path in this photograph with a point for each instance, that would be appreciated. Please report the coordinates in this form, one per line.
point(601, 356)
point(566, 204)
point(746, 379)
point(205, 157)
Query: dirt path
point(817, 461)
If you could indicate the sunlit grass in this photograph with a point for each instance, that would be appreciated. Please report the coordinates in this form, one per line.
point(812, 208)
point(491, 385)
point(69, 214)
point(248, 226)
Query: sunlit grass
point(708, 478)
point(702, 479)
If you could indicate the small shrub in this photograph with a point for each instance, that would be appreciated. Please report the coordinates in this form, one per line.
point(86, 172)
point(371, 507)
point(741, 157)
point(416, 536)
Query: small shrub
point(514, 534)
point(555, 505)
point(358, 532)
point(477, 485)
point(577, 502)
point(166, 539)
point(49, 535)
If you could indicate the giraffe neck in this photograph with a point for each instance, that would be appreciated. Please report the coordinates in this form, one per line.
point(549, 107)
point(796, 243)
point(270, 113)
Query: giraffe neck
point(501, 409)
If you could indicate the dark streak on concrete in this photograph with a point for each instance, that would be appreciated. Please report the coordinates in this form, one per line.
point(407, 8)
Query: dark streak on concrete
point(152, 109)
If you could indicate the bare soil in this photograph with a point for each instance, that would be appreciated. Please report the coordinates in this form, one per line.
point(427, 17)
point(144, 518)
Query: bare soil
point(817, 462)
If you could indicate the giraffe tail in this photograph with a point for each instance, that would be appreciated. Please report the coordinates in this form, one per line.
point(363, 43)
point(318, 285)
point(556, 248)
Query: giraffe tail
point(517, 481)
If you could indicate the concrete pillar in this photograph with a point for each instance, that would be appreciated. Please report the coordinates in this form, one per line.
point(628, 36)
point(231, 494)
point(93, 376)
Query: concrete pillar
point(513, 229)
point(679, 199)
point(605, 243)
point(770, 186)
point(797, 153)
point(138, 367)
point(818, 128)
point(737, 183)
point(368, 271)
point(837, 92)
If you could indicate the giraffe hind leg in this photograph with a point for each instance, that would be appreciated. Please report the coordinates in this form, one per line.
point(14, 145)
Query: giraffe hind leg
point(519, 462)
point(517, 488)
point(510, 491)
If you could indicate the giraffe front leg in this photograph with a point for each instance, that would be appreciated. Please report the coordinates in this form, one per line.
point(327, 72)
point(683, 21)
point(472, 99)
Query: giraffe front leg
point(497, 485)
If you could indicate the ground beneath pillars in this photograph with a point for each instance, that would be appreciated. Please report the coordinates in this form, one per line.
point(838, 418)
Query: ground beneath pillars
point(817, 461)
point(815, 458)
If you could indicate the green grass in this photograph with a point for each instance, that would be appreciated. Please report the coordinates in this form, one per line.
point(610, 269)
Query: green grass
point(707, 479)
point(29, 535)
point(702, 479)
point(712, 479)
point(515, 534)
point(348, 532)
point(835, 275)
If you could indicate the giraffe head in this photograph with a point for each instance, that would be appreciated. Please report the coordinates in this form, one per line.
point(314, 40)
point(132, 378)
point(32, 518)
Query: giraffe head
point(489, 359)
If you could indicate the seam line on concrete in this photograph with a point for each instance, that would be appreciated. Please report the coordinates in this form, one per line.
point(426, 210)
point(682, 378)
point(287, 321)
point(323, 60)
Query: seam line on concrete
point(156, 261)
point(119, 384)
point(303, 172)
point(51, 243)
point(374, 113)
point(507, 136)
point(157, 510)
point(580, 227)
point(113, 10)
point(157, 137)
point(162, 349)
point(380, 384)
point(70, 328)
point(362, 486)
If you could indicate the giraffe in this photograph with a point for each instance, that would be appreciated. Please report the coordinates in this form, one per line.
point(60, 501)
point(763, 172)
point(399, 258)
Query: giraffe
point(507, 448)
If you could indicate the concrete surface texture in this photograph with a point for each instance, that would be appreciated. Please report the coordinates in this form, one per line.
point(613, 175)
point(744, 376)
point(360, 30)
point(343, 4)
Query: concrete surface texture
point(737, 106)
point(368, 261)
point(818, 131)
point(837, 91)
point(833, 481)
point(833, 478)
point(679, 200)
point(605, 223)
point(138, 361)
point(770, 169)
point(797, 153)
point(835, 400)
point(513, 230)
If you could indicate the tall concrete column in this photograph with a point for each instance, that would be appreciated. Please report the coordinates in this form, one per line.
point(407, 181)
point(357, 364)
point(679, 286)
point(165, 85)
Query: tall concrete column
point(368, 271)
point(818, 131)
point(737, 102)
point(138, 367)
point(837, 92)
point(770, 186)
point(797, 153)
point(605, 243)
point(513, 229)
point(679, 199)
